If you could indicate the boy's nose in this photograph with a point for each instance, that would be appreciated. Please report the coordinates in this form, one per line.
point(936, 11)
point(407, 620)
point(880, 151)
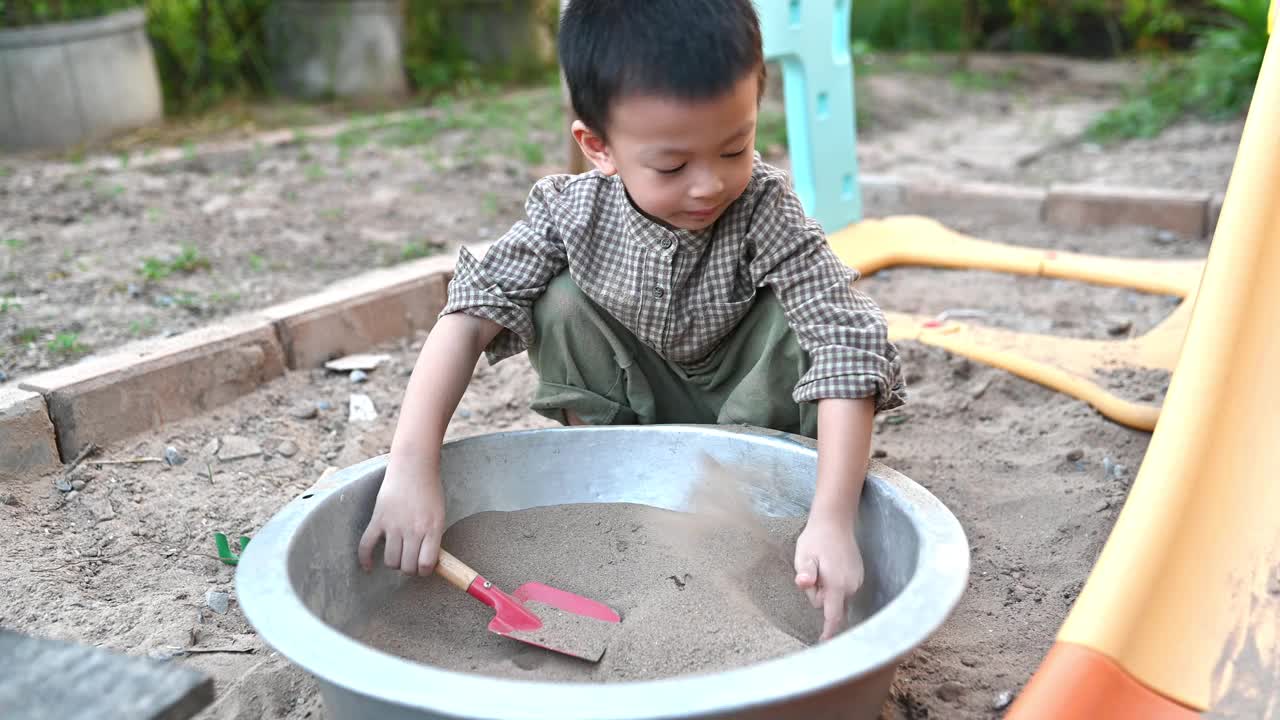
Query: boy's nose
point(708, 185)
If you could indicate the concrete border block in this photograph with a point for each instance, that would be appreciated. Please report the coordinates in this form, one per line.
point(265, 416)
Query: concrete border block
point(1015, 203)
point(148, 384)
point(1215, 214)
point(28, 443)
point(1182, 212)
point(360, 313)
point(881, 192)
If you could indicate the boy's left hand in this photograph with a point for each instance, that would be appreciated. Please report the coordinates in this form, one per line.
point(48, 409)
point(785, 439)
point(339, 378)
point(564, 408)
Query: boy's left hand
point(828, 569)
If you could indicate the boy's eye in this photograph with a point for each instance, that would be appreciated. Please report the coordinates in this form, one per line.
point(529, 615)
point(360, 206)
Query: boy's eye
point(734, 154)
point(672, 171)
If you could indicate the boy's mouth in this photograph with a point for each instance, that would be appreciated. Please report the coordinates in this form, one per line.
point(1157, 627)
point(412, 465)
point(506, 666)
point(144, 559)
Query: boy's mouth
point(703, 214)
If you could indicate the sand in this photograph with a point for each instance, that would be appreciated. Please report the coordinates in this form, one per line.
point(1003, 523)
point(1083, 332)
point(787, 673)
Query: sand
point(724, 601)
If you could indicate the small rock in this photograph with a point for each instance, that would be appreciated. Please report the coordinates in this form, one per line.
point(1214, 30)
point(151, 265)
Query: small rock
point(879, 453)
point(1165, 237)
point(1273, 583)
point(8, 499)
point(210, 448)
point(464, 413)
point(950, 691)
point(1003, 700)
point(1102, 506)
point(217, 601)
point(359, 376)
point(216, 203)
point(304, 412)
point(1119, 471)
point(324, 405)
point(237, 447)
point(969, 661)
point(961, 368)
point(134, 290)
point(361, 409)
point(173, 456)
point(288, 448)
point(101, 510)
point(1108, 467)
point(3, 376)
point(1075, 455)
point(62, 485)
point(77, 484)
point(361, 361)
point(1147, 397)
point(1118, 327)
point(72, 495)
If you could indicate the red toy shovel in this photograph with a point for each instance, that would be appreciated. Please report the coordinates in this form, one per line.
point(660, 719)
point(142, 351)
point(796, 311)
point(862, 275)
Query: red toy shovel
point(538, 614)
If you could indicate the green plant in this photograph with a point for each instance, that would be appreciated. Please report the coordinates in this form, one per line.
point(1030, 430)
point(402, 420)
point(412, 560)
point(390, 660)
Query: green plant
point(26, 336)
point(7, 304)
point(14, 243)
point(414, 250)
point(771, 131)
point(17, 13)
point(257, 262)
point(188, 261)
point(142, 327)
point(1215, 81)
point(532, 153)
point(67, 343)
point(208, 50)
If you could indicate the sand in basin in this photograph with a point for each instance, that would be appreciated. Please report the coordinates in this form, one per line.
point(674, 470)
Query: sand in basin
point(697, 592)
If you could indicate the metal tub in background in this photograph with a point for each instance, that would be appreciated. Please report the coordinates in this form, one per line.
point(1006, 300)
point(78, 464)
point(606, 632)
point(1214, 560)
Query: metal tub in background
point(299, 583)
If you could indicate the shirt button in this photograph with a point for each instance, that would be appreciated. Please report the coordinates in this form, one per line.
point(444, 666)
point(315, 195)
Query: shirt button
point(658, 292)
point(667, 242)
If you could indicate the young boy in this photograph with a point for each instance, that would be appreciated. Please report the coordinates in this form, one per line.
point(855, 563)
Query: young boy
point(678, 282)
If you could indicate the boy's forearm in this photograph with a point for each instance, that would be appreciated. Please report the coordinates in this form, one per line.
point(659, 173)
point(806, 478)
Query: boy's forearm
point(844, 444)
point(440, 377)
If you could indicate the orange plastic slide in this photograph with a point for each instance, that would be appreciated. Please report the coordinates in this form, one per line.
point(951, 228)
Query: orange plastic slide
point(1181, 615)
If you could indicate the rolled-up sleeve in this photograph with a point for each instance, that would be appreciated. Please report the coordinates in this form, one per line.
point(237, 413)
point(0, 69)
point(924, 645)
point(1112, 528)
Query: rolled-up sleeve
point(840, 327)
point(513, 274)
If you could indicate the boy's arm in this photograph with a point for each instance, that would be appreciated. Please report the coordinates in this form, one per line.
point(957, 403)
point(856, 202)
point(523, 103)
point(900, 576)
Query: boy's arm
point(410, 509)
point(828, 564)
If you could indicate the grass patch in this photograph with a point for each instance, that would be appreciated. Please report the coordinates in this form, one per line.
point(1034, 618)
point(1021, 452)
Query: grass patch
point(139, 328)
point(188, 262)
point(1215, 81)
point(67, 343)
point(415, 250)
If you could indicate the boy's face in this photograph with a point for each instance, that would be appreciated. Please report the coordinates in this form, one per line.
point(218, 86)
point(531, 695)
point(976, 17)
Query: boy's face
point(683, 162)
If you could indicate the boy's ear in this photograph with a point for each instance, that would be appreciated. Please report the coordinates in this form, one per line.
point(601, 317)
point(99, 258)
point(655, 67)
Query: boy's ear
point(593, 146)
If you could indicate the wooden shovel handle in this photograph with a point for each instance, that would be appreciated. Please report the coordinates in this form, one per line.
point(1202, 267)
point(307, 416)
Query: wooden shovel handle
point(456, 572)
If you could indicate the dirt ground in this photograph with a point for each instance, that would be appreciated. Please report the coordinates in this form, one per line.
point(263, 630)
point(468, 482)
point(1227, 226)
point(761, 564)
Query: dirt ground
point(127, 561)
point(92, 259)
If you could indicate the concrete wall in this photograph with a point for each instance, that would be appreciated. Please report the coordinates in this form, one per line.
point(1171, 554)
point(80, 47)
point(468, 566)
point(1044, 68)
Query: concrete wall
point(66, 83)
point(337, 48)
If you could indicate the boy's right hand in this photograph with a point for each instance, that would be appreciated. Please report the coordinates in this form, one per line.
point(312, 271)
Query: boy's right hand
point(409, 513)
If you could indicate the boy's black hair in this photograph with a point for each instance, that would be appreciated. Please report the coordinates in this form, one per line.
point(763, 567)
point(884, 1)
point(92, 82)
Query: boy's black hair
point(686, 49)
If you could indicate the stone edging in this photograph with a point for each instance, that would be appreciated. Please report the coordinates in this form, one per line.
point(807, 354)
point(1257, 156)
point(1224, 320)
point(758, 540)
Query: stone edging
point(47, 419)
point(1188, 214)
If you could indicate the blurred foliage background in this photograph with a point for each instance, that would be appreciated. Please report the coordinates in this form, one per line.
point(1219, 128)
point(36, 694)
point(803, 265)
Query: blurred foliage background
point(1205, 53)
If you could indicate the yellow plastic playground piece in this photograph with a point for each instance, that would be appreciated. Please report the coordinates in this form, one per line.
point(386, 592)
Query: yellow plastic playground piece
point(1072, 366)
point(1185, 598)
point(872, 245)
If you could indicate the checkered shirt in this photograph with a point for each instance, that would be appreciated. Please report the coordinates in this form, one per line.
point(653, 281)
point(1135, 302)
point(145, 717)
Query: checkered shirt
point(683, 292)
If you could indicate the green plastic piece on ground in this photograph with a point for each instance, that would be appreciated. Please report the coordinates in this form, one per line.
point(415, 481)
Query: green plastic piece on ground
point(224, 548)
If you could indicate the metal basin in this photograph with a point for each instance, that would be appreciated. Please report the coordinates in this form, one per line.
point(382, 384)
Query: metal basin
point(299, 583)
